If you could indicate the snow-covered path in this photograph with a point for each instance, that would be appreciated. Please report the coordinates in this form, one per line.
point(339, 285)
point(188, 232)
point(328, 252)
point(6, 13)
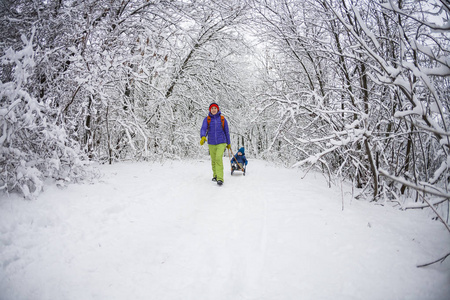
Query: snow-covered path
point(151, 231)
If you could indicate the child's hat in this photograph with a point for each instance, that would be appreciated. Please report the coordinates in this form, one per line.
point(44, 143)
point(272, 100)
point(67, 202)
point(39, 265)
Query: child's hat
point(213, 104)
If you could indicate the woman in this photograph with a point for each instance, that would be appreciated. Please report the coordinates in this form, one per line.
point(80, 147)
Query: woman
point(215, 126)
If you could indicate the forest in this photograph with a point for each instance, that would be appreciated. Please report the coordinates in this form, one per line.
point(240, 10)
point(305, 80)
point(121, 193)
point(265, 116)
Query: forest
point(356, 89)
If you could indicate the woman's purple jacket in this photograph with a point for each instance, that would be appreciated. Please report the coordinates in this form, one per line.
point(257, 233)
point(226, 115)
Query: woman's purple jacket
point(216, 134)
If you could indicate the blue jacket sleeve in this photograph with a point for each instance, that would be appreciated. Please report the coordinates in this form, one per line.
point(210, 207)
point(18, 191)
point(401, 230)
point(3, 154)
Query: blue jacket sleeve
point(227, 132)
point(204, 127)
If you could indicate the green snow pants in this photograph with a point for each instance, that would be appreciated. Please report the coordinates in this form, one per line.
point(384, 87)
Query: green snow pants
point(216, 153)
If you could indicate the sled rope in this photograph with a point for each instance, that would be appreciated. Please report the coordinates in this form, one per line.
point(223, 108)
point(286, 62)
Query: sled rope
point(230, 158)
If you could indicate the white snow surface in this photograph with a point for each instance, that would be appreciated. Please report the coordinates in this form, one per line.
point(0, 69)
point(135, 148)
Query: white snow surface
point(166, 231)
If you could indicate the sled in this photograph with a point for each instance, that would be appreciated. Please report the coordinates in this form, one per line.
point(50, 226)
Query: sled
point(237, 167)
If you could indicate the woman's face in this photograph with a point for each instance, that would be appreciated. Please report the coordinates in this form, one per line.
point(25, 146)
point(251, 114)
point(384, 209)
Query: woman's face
point(214, 110)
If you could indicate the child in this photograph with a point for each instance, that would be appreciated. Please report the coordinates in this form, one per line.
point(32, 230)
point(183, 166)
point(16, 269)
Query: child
point(239, 158)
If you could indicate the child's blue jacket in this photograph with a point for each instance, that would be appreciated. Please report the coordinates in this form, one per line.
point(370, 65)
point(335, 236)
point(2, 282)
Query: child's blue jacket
point(241, 159)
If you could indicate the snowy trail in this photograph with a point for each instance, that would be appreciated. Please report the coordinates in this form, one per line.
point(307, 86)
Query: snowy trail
point(150, 231)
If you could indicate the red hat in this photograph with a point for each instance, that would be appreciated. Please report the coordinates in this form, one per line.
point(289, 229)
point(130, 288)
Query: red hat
point(213, 104)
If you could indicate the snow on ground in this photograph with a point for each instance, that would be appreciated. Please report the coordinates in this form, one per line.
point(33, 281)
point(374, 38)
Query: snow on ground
point(152, 231)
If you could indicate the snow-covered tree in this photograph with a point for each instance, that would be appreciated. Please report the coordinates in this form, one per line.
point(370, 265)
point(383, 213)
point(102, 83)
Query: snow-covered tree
point(32, 146)
point(360, 90)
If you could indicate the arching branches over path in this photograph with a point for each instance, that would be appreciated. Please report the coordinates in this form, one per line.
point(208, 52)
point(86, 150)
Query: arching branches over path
point(115, 79)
